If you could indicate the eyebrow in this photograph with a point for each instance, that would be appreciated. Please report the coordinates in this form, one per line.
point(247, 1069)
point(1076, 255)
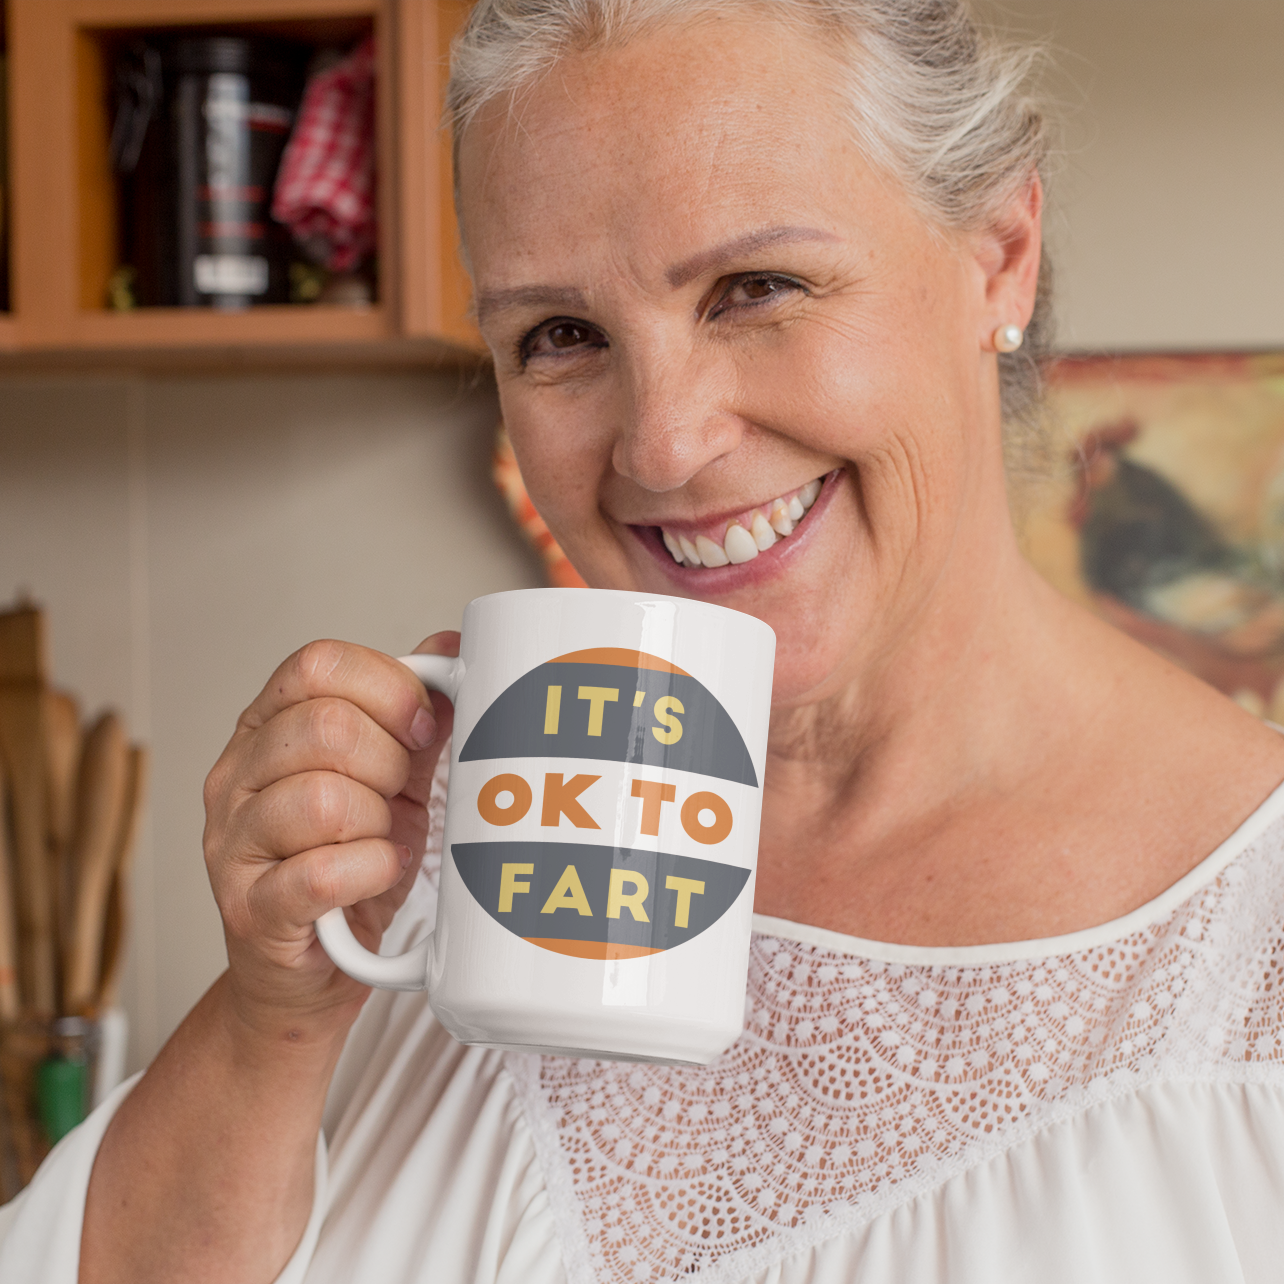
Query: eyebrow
point(698, 264)
point(570, 298)
point(527, 296)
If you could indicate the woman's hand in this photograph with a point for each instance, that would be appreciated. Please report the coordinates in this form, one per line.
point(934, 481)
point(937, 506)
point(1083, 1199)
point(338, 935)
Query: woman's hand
point(319, 800)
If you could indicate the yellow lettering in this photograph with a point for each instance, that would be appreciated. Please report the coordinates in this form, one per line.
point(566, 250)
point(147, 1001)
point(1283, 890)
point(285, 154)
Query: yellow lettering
point(653, 795)
point(509, 886)
point(552, 710)
point(691, 822)
point(561, 798)
point(638, 697)
point(673, 728)
point(569, 894)
point(617, 899)
point(488, 804)
point(598, 697)
point(686, 888)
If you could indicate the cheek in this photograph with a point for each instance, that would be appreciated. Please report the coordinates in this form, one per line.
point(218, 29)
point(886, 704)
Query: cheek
point(898, 377)
point(851, 391)
point(560, 457)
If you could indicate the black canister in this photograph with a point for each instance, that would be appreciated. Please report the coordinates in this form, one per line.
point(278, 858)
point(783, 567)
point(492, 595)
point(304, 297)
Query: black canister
point(198, 229)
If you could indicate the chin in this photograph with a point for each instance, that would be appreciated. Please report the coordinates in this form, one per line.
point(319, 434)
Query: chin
point(813, 656)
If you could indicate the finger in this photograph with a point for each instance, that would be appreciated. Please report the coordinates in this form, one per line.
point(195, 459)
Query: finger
point(312, 809)
point(375, 913)
point(446, 643)
point(409, 824)
point(419, 777)
point(423, 765)
point(384, 690)
point(294, 893)
point(327, 734)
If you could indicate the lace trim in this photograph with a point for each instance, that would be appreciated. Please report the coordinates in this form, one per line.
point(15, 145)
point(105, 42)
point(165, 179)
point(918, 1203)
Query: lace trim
point(430, 866)
point(1049, 946)
point(862, 1083)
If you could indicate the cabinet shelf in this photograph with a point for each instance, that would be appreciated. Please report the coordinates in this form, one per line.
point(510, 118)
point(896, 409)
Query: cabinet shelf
point(64, 220)
point(191, 327)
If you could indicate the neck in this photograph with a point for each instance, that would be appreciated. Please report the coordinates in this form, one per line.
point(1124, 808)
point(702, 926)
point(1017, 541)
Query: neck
point(975, 700)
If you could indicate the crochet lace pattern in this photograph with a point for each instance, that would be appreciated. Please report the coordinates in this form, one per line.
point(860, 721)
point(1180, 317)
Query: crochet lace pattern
point(859, 1085)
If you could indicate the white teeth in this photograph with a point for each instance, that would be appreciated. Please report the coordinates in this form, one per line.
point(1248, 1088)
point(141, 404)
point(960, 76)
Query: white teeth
point(710, 553)
point(762, 534)
point(689, 550)
point(740, 545)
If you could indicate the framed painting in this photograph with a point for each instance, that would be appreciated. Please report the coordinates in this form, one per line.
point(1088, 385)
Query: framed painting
point(1166, 512)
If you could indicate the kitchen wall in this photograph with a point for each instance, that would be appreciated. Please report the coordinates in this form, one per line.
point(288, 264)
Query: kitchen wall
point(186, 534)
point(1167, 224)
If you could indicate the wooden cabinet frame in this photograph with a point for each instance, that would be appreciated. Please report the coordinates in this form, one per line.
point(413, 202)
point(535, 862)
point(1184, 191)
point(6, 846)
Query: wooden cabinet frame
point(62, 199)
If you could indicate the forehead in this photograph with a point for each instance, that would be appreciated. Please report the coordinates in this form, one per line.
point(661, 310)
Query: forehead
point(681, 134)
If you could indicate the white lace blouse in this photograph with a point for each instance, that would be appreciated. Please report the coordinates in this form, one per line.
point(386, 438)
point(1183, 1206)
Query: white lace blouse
point(1105, 1107)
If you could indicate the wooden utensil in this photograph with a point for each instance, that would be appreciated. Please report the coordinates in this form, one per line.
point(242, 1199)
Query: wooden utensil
point(9, 996)
point(100, 809)
point(116, 920)
point(62, 715)
point(63, 749)
point(23, 751)
point(115, 930)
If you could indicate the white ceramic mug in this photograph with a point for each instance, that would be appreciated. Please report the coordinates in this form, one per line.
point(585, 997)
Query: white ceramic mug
point(601, 827)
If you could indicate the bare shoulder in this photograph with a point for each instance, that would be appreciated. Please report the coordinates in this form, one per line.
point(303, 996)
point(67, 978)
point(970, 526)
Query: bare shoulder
point(1148, 771)
point(1189, 765)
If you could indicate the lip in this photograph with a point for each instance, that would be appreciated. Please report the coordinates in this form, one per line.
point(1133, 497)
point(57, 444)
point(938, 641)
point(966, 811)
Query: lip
point(714, 525)
point(706, 581)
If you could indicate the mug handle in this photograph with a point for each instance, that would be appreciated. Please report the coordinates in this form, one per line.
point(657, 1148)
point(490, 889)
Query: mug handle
point(408, 971)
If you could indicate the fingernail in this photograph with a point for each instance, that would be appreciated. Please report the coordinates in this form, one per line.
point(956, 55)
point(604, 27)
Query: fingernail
point(423, 729)
point(404, 854)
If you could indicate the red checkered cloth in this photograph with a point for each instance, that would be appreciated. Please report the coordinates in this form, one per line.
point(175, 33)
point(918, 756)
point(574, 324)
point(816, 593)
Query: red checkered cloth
point(325, 188)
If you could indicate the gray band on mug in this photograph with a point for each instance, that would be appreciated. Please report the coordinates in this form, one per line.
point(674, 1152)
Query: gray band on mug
point(594, 901)
point(570, 708)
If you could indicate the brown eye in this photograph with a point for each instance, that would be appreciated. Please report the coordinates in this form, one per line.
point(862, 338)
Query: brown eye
point(563, 336)
point(568, 334)
point(754, 291)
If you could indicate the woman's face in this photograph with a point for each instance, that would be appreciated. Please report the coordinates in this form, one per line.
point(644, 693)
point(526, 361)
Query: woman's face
point(704, 307)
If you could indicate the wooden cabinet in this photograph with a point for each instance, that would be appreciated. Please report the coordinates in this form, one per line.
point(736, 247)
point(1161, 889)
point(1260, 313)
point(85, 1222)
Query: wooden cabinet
point(63, 194)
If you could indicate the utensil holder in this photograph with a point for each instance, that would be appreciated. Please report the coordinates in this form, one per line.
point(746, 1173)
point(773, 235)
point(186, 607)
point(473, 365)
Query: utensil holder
point(47, 1073)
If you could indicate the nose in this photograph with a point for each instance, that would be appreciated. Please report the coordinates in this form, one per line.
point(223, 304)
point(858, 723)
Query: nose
point(675, 418)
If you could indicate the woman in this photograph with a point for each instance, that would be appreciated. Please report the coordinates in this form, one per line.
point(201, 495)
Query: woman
point(1014, 1011)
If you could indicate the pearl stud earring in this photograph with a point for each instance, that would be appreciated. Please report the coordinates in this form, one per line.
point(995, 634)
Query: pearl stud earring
point(1008, 338)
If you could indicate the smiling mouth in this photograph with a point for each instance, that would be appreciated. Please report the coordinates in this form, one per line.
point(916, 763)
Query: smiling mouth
point(746, 535)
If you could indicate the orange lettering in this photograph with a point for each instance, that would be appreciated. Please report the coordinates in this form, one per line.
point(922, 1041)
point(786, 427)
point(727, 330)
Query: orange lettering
point(488, 805)
point(561, 799)
point(654, 795)
point(713, 833)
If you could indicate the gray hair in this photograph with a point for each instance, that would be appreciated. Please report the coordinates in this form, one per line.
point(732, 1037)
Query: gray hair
point(934, 101)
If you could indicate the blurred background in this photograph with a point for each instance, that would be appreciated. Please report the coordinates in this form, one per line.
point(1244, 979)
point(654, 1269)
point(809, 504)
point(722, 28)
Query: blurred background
point(191, 493)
